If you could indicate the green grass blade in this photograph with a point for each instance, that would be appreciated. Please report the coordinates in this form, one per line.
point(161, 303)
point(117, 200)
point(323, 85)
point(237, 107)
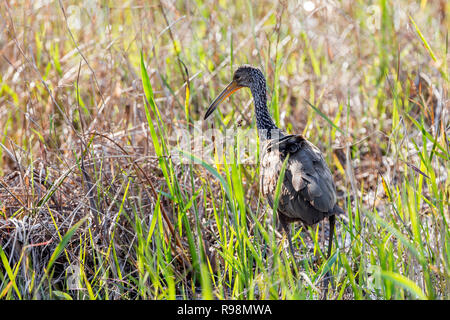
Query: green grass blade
point(323, 115)
point(62, 244)
point(404, 282)
point(9, 272)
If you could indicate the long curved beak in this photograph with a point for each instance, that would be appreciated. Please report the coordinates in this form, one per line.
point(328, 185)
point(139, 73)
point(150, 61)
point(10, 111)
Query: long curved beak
point(228, 91)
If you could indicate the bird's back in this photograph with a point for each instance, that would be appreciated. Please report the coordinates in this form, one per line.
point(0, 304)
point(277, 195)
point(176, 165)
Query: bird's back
point(308, 193)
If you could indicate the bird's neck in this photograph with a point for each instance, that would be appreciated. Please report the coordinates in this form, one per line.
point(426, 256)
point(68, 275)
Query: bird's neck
point(264, 122)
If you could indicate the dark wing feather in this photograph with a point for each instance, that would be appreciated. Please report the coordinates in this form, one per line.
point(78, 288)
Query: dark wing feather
point(308, 192)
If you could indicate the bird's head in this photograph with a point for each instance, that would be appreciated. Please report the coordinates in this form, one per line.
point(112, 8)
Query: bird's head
point(244, 76)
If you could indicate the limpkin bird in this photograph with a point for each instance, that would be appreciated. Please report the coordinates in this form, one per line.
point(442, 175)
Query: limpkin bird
point(308, 193)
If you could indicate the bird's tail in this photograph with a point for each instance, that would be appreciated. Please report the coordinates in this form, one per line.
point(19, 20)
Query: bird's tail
point(338, 210)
